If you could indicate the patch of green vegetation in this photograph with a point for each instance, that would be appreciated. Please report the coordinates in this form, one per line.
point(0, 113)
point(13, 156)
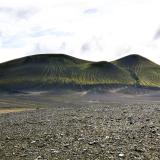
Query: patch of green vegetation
point(49, 69)
point(142, 70)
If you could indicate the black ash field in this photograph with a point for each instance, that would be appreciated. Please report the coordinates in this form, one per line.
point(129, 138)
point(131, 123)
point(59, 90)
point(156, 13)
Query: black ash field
point(74, 126)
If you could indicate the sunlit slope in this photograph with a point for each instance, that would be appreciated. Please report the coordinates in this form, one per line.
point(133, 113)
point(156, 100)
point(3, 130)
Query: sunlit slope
point(43, 70)
point(142, 70)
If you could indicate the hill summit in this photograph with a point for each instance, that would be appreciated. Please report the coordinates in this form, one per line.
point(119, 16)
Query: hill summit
point(142, 70)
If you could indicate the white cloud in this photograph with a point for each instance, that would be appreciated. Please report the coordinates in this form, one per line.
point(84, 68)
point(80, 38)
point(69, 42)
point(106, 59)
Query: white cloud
point(88, 29)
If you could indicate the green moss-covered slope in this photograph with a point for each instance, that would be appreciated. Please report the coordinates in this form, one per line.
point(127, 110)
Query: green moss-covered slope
point(142, 70)
point(39, 71)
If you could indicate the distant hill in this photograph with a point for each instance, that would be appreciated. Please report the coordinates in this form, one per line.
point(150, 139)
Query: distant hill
point(142, 70)
point(48, 71)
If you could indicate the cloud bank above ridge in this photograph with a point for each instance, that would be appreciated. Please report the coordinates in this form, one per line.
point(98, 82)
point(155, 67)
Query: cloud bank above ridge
point(87, 29)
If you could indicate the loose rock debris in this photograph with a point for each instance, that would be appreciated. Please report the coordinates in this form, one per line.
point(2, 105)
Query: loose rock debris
point(76, 132)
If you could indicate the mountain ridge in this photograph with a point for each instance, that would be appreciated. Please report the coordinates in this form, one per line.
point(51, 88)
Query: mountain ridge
point(50, 70)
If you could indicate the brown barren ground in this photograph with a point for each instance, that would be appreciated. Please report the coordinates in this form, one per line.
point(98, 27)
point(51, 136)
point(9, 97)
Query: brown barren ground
point(14, 110)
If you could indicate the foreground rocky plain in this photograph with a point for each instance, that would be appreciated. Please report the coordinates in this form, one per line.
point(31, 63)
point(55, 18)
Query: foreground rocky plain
point(59, 129)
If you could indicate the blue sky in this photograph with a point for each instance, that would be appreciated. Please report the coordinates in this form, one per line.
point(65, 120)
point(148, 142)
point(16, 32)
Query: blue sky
point(88, 29)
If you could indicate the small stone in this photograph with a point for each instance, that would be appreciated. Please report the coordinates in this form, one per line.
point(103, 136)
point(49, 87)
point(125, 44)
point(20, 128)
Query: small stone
point(154, 131)
point(93, 142)
point(66, 145)
point(54, 151)
point(8, 138)
point(38, 158)
point(102, 146)
point(80, 139)
point(138, 150)
point(107, 137)
point(84, 150)
point(33, 142)
point(23, 155)
point(147, 119)
point(41, 145)
point(121, 155)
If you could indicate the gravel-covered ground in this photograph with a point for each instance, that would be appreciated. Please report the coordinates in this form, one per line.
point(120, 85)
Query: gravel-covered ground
point(82, 131)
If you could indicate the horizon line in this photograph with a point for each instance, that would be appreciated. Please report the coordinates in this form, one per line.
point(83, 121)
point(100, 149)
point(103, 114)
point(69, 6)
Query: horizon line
point(30, 55)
